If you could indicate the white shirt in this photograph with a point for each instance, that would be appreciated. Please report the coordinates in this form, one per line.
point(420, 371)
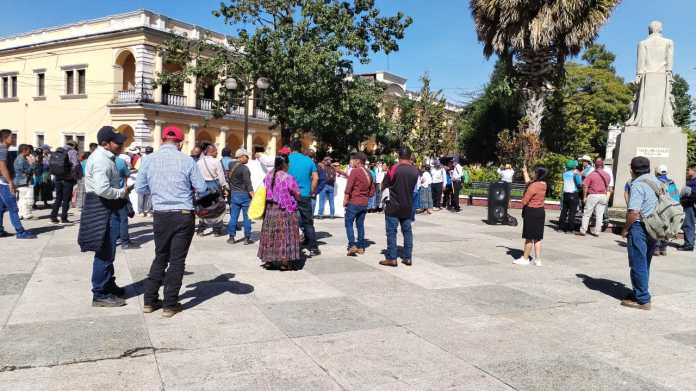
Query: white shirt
point(457, 172)
point(438, 175)
point(379, 177)
point(506, 174)
point(426, 179)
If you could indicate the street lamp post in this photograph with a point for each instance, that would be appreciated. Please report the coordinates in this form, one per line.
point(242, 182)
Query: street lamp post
point(231, 84)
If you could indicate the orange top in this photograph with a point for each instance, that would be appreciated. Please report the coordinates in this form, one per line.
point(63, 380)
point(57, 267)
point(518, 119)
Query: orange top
point(535, 194)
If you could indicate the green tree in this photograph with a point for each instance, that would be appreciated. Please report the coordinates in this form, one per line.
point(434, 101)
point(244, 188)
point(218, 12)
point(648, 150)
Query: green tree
point(427, 138)
point(684, 106)
point(591, 98)
point(305, 48)
point(538, 36)
point(498, 107)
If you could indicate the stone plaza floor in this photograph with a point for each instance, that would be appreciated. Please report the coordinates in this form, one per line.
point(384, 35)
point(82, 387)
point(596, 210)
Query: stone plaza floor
point(462, 318)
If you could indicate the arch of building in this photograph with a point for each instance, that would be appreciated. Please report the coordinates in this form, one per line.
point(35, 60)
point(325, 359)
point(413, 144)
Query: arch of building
point(128, 132)
point(125, 70)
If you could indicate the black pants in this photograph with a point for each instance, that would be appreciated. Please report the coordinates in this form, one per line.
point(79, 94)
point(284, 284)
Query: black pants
point(173, 233)
point(64, 190)
point(437, 194)
point(569, 207)
point(456, 188)
point(304, 207)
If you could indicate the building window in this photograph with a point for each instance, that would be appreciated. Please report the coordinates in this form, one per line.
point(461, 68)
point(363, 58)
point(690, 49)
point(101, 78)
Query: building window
point(80, 143)
point(40, 140)
point(69, 82)
point(14, 86)
point(5, 87)
point(81, 81)
point(40, 84)
point(14, 139)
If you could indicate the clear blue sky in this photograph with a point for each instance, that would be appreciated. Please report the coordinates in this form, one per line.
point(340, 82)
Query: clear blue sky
point(441, 40)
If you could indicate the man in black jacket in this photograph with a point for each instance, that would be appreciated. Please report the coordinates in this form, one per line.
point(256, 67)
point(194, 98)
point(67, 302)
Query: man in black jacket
point(100, 222)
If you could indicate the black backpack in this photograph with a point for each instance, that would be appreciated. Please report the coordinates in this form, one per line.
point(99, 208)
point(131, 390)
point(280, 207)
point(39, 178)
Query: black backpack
point(59, 163)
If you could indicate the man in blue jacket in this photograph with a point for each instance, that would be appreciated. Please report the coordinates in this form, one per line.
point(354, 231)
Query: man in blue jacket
point(688, 201)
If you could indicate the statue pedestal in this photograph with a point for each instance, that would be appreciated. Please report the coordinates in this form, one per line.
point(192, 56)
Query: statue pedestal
point(660, 145)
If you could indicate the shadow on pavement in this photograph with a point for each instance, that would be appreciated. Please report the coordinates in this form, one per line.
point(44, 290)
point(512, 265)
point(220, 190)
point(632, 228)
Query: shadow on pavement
point(615, 289)
point(206, 290)
point(513, 252)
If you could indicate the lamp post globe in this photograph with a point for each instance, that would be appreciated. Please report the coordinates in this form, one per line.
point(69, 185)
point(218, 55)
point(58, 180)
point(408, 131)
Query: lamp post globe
point(263, 83)
point(231, 84)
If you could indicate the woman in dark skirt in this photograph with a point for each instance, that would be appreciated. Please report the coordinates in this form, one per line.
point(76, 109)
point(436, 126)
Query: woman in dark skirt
point(533, 215)
point(280, 232)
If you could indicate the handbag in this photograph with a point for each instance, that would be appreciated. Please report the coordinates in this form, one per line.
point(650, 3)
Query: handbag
point(257, 207)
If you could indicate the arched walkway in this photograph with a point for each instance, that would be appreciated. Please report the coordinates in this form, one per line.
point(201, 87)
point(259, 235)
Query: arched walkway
point(234, 142)
point(206, 135)
point(128, 132)
point(125, 68)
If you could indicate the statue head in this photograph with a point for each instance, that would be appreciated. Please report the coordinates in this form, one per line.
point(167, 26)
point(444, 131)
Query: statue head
point(655, 27)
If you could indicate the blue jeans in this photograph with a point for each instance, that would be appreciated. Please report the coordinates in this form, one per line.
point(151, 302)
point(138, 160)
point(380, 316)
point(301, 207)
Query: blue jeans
point(689, 226)
point(8, 203)
point(640, 252)
point(327, 192)
point(355, 214)
point(239, 203)
point(123, 225)
point(392, 224)
point(103, 280)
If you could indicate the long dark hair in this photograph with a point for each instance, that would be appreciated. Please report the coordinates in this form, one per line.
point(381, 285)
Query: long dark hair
point(540, 173)
point(277, 165)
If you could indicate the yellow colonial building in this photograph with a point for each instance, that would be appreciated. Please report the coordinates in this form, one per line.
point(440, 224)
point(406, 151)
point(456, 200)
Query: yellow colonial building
point(65, 82)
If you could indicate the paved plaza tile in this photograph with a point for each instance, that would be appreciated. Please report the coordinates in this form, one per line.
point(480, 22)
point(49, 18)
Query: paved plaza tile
point(461, 318)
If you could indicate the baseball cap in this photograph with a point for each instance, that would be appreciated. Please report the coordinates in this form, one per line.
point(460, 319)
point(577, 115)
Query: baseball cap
point(241, 152)
point(173, 133)
point(586, 158)
point(108, 134)
point(571, 164)
point(662, 169)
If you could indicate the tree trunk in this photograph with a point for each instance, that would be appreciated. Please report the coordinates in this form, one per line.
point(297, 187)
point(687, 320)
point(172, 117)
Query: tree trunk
point(534, 107)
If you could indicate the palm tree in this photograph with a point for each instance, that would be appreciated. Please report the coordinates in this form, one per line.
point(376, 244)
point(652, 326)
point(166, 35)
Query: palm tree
point(538, 35)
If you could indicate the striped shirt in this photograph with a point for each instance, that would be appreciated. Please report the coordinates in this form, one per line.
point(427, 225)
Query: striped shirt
point(170, 176)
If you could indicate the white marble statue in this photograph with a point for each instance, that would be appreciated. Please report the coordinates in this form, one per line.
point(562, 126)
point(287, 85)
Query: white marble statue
point(653, 105)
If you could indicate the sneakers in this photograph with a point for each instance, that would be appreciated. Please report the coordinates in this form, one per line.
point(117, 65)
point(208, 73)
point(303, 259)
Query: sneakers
point(314, 252)
point(352, 251)
point(150, 308)
point(231, 240)
point(26, 235)
point(521, 261)
point(109, 301)
point(65, 221)
point(117, 291)
point(168, 312)
point(631, 303)
point(54, 220)
point(248, 241)
point(407, 262)
point(537, 262)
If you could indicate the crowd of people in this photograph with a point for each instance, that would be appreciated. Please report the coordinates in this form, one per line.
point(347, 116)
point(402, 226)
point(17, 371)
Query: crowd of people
point(170, 186)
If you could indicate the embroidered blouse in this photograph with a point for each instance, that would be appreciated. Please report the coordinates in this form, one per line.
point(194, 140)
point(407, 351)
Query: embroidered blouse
point(283, 191)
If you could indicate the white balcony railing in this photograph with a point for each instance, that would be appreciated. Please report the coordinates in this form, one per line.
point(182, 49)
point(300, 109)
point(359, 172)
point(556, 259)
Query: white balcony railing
point(132, 96)
point(174, 100)
point(204, 104)
point(262, 114)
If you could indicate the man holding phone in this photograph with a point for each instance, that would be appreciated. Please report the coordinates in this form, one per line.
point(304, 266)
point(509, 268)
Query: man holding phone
point(100, 222)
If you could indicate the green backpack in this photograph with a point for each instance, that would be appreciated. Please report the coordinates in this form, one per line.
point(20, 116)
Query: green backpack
point(667, 219)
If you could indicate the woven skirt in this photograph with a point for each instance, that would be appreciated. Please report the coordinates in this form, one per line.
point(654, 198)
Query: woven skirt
point(534, 219)
point(426, 197)
point(280, 236)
